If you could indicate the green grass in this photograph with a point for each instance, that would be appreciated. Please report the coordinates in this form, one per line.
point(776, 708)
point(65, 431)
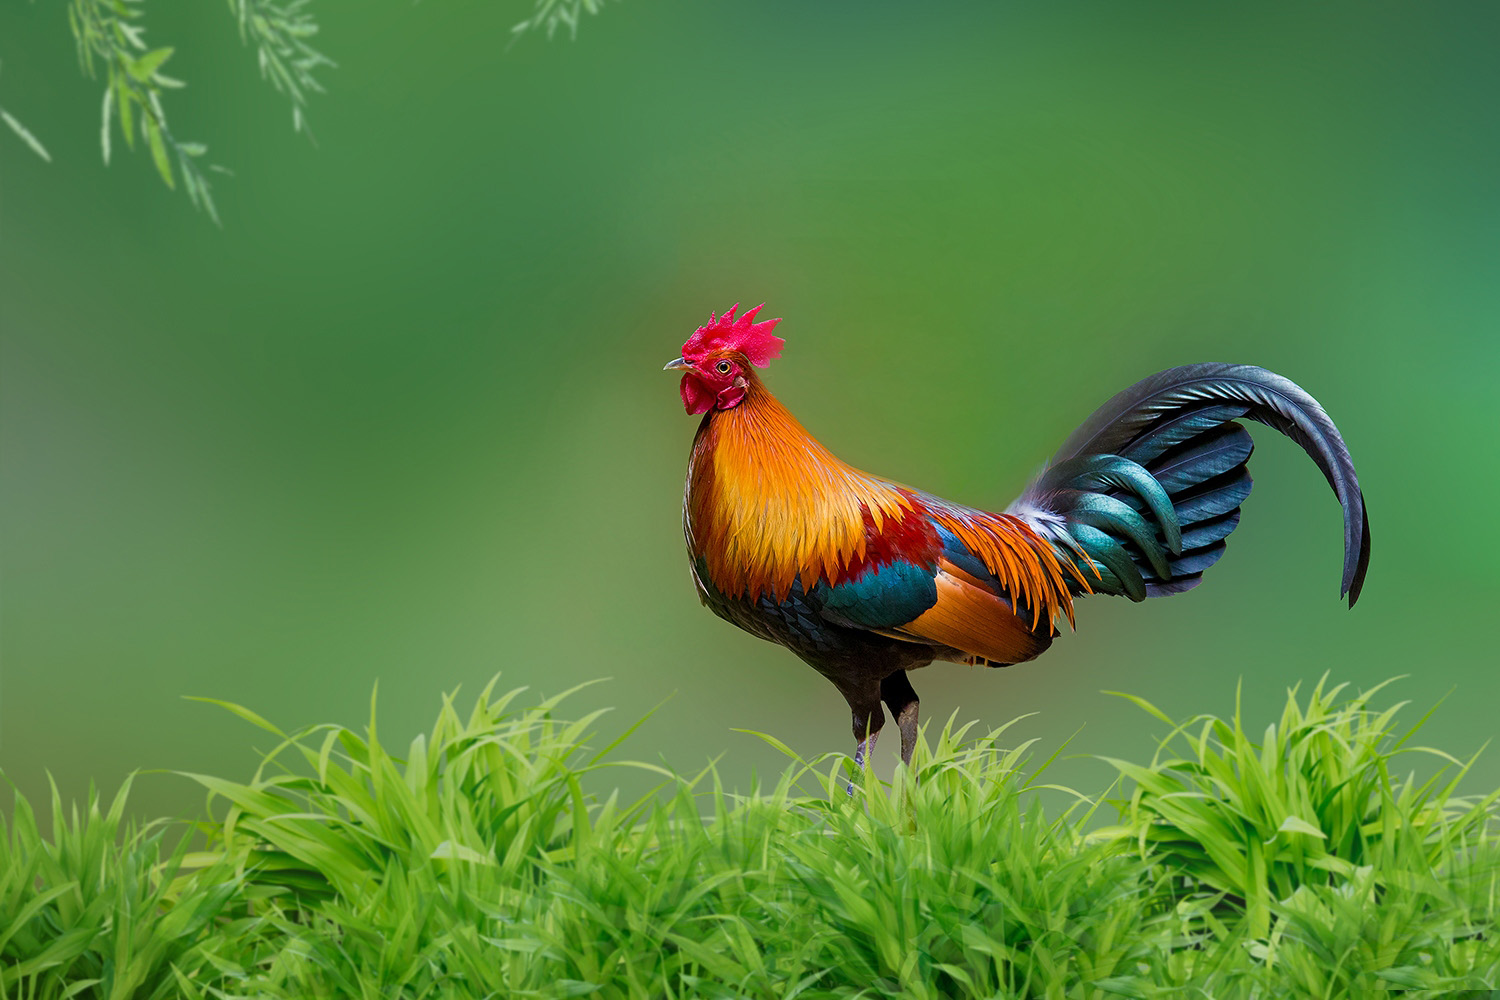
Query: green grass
point(1299, 863)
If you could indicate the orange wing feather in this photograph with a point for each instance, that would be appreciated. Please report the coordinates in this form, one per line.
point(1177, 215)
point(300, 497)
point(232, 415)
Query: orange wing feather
point(971, 618)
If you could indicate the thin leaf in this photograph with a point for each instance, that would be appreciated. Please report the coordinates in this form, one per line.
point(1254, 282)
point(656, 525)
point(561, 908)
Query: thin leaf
point(26, 136)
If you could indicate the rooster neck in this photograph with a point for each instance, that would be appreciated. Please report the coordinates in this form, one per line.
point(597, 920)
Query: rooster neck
point(766, 503)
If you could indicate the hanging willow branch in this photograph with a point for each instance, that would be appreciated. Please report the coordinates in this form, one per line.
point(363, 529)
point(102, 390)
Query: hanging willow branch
point(111, 40)
point(281, 34)
point(552, 14)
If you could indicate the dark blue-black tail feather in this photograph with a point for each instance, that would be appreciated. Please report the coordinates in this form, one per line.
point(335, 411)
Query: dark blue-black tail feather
point(1178, 431)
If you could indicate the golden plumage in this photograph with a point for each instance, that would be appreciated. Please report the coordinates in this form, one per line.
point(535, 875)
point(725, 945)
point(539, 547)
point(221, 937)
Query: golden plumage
point(766, 503)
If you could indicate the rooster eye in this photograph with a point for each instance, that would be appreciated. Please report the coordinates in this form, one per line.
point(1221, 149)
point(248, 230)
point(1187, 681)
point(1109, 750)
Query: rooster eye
point(722, 367)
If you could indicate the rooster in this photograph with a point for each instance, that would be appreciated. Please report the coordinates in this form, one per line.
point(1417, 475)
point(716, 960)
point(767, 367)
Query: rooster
point(866, 579)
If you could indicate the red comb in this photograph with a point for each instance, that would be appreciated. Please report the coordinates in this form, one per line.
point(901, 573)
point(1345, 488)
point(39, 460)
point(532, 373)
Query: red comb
point(754, 340)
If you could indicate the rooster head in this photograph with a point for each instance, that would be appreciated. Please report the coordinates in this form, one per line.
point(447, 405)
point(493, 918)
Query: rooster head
point(716, 359)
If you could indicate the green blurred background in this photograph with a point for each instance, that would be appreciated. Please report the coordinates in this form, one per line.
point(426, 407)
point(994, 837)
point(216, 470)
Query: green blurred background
point(402, 419)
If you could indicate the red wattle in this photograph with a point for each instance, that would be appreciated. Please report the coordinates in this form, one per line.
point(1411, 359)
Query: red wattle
point(697, 397)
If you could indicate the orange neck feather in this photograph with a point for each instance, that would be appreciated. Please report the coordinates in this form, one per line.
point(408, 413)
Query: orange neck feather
point(766, 502)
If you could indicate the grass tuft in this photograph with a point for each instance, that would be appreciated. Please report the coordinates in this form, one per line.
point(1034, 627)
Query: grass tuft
point(473, 864)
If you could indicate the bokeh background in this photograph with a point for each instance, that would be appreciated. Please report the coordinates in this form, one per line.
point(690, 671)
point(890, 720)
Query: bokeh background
point(402, 419)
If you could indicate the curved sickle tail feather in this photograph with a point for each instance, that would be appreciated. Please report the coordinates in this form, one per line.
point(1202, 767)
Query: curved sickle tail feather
point(1141, 497)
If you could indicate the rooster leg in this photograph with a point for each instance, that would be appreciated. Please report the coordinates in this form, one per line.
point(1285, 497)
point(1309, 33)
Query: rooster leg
point(868, 720)
point(864, 748)
point(896, 691)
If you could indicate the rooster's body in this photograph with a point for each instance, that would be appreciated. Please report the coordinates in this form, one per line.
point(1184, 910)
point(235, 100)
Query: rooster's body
point(865, 579)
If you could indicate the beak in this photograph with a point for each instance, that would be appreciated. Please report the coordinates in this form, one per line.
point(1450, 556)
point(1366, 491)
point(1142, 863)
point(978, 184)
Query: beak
point(675, 364)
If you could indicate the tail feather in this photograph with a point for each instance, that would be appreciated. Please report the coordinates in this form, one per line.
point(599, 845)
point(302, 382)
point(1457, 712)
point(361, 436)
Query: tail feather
point(1214, 498)
point(1100, 472)
point(1211, 453)
point(1108, 513)
point(1173, 431)
point(1195, 562)
point(1210, 531)
point(1113, 569)
point(1179, 429)
point(1203, 544)
point(1175, 587)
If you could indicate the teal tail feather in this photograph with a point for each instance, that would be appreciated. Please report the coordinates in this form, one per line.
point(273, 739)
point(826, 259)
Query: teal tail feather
point(1141, 498)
